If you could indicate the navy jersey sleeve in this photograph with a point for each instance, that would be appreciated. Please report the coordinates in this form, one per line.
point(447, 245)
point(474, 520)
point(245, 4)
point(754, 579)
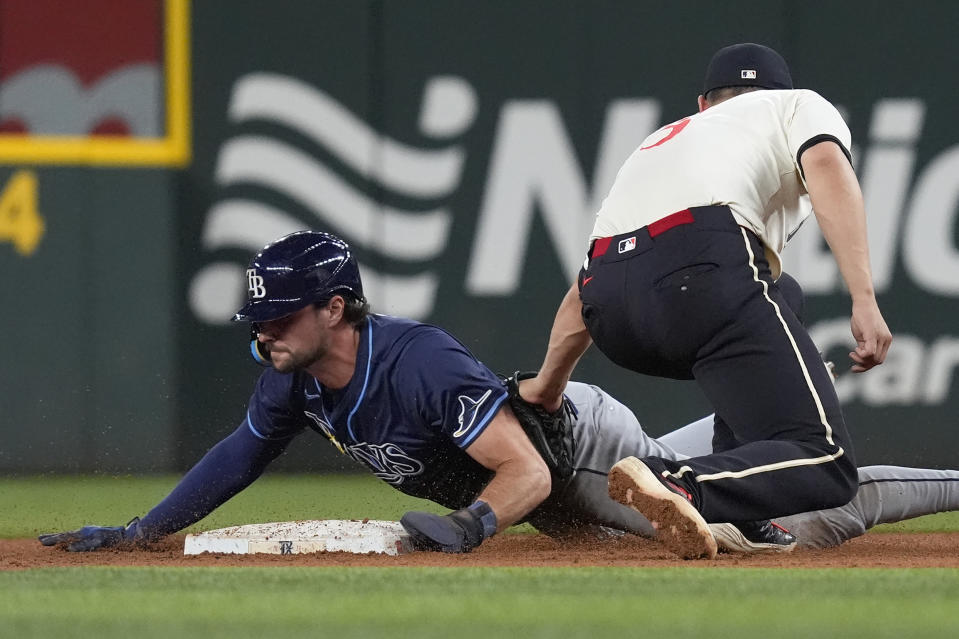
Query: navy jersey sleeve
point(272, 413)
point(452, 391)
point(225, 470)
point(230, 466)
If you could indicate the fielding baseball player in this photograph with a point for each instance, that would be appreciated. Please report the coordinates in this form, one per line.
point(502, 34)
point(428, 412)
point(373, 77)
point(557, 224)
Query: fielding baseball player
point(411, 403)
point(680, 282)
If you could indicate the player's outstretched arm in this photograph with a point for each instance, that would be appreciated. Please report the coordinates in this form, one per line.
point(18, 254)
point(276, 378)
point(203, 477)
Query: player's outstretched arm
point(225, 470)
point(568, 340)
point(838, 204)
point(522, 480)
point(520, 483)
point(94, 537)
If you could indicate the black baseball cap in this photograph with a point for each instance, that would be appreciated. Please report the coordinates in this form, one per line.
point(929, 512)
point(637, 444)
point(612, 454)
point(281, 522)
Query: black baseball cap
point(747, 65)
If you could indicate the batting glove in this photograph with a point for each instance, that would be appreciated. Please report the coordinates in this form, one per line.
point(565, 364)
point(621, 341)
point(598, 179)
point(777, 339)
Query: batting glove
point(459, 531)
point(93, 537)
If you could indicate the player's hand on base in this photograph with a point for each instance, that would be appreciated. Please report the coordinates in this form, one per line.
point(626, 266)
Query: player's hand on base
point(872, 336)
point(457, 532)
point(93, 537)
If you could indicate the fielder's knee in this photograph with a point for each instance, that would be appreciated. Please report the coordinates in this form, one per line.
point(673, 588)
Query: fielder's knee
point(843, 482)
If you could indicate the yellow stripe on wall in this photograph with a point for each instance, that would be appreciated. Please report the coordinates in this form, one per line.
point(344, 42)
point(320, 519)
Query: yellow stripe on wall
point(173, 149)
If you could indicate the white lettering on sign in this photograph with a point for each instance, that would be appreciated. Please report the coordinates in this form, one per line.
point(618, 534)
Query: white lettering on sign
point(538, 179)
point(914, 372)
point(534, 168)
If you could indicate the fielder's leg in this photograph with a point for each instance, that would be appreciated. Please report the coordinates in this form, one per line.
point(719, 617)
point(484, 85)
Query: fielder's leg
point(764, 376)
point(886, 494)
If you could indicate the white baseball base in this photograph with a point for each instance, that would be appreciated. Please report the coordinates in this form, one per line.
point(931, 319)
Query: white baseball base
point(297, 537)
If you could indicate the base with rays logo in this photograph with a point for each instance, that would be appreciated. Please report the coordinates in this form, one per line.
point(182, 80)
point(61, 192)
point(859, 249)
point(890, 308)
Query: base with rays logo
point(303, 537)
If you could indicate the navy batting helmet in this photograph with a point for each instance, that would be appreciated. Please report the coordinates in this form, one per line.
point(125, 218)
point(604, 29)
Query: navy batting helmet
point(296, 271)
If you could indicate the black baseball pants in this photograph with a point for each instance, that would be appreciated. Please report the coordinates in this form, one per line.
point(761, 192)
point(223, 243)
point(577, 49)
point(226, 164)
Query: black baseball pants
point(692, 297)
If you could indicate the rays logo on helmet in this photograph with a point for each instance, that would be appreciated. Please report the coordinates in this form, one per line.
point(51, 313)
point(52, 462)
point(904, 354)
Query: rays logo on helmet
point(255, 284)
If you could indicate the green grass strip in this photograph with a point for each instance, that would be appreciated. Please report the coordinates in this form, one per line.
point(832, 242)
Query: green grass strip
point(33, 505)
point(458, 603)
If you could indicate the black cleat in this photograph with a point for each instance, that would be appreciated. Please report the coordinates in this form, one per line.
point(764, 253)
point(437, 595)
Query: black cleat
point(752, 537)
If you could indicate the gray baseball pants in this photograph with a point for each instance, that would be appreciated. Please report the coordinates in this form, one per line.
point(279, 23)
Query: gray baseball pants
point(606, 431)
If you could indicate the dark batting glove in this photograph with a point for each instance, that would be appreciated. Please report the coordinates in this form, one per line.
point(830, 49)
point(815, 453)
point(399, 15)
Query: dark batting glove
point(459, 531)
point(93, 537)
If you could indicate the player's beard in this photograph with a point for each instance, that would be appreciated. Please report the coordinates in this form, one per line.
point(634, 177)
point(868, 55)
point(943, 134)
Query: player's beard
point(299, 361)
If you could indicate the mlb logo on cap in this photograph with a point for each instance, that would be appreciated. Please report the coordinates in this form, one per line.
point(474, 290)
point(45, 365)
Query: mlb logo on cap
point(747, 65)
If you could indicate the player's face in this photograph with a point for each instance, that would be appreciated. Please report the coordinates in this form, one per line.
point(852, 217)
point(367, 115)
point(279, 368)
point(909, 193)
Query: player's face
point(295, 341)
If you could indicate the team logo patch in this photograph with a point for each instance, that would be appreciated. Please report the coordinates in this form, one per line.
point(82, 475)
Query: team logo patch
point(468, 410)
point(748, 74)
point(627, 245)
point(255, 284)
point(388, 461)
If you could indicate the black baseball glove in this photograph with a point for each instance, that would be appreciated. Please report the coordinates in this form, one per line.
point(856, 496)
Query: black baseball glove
point(550, 433)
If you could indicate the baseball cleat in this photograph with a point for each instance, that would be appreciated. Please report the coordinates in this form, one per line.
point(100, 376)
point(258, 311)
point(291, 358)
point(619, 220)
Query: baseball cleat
point(678, 524)
point(753, 537)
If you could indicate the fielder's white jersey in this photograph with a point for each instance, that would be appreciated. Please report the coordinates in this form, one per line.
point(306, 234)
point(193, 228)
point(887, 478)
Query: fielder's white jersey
point(742, 152)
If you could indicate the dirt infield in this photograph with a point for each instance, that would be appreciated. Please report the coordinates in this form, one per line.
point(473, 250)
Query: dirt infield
point(886, 550)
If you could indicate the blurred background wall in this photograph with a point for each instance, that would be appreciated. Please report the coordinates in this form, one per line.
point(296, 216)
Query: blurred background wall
point(148, 148)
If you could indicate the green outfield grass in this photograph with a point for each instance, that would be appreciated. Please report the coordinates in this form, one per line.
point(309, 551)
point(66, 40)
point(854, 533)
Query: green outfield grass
point(694, 599)
point(39, 504)
point(289, 602)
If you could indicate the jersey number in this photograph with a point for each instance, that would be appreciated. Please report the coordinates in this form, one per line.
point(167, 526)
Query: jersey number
point(674, 130)
point(20, 221)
